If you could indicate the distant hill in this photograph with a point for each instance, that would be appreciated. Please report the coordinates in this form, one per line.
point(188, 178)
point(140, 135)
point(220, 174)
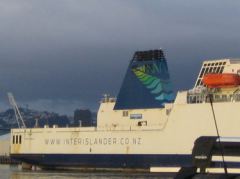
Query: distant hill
point(30, 116)
point(7, 118)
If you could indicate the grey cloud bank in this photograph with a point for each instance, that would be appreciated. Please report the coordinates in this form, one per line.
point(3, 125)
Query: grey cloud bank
point(64, 54)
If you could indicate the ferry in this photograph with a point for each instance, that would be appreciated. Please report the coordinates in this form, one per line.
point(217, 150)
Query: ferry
point(146, 126)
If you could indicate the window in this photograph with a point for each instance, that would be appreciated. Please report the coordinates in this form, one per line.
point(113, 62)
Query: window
point(206, 70)
point(210, 71)
point(217, 98)
point(224, 97)
point(125, 113)
point(221, 69)
point(237, 97)
point(197, 99)
point(193, 99)
point(16, 139)
point(198, 82)
point(13, 139)
point(20, 139)
point(214, 69)
point(202, 72)
point(218, 69)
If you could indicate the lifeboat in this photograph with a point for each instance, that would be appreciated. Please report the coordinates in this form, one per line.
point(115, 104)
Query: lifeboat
point(214, 80)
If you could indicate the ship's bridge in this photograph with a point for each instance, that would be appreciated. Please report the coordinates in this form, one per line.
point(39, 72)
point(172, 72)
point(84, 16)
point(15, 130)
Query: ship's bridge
point(217, 66)
point(222, 68)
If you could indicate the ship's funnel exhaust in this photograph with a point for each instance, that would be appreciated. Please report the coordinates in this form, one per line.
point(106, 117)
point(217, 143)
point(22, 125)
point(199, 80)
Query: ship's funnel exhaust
point(146, 83)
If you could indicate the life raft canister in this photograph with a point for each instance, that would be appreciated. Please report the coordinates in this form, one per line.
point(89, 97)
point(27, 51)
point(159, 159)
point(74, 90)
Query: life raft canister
point(215, 80)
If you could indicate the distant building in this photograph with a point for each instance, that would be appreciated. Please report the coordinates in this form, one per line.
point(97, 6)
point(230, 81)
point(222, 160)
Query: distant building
point(83, 117)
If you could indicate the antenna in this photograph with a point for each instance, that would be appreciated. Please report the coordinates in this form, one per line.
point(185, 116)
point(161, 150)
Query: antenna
point(17, 113)
point(218, 135)
point(36, 122)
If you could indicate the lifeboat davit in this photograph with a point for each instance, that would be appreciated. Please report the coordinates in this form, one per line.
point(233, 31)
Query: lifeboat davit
point(215, 80)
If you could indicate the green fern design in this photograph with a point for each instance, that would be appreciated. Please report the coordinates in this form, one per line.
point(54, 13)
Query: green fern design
point(155, 85)
point(149, 81)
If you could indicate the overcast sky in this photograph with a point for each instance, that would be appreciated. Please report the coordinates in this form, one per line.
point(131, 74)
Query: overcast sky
point(61, 55)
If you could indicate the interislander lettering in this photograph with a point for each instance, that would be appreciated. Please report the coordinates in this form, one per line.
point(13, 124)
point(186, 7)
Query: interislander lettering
point(52, 141)
point(137, 141)
point(94, 141)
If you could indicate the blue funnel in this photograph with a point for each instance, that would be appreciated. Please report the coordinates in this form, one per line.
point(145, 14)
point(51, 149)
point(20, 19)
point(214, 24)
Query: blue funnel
point(147, 83)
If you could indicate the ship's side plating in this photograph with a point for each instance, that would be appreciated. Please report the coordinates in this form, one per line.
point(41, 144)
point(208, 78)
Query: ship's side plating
point(143, 128)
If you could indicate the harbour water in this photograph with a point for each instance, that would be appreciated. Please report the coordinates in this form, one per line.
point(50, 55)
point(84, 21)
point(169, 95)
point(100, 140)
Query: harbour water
point(15, 172)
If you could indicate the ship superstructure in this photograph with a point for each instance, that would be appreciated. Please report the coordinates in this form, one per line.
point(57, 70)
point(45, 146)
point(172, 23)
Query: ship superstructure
point(144, 127)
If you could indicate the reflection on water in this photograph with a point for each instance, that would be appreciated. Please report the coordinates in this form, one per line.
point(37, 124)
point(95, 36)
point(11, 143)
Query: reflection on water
point(15, 172)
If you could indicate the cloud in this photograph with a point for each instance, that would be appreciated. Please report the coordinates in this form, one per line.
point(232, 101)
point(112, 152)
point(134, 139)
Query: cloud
point(74, 51)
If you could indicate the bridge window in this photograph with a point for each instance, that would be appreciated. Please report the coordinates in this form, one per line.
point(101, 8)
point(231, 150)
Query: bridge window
point(198, 82)
point(20, 139)
point(237, 97)
point(194, 98)
point(224, 97)
point(13, 139)
point(202, 72)
point(221, 69)
point(16, 139)
point(217, 97)
point(210, 71)
point(214, 69)
point(207, 69)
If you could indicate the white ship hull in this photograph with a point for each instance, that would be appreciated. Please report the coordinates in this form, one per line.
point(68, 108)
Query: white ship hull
point(138, 147)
